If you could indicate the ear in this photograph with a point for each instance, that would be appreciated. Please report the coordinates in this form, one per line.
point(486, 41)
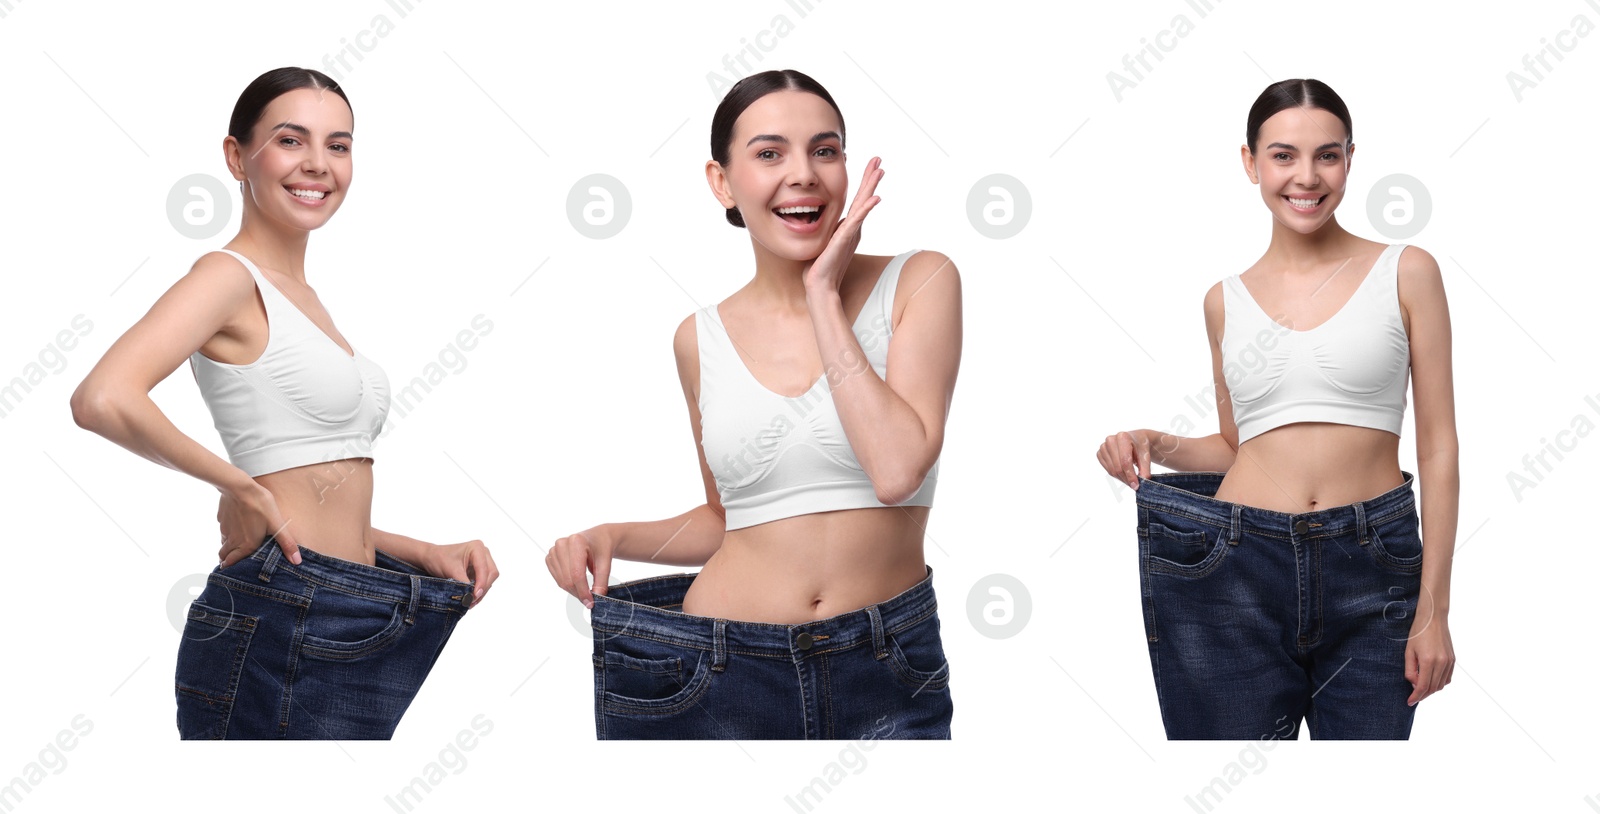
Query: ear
point(1249, 160)
point(233, 154)
point(1349, 156)
point(717, 179)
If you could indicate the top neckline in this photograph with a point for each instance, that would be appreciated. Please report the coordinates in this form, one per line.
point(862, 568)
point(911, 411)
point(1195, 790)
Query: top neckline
point(1342, 308)
point(854, 325)
point(256, 270)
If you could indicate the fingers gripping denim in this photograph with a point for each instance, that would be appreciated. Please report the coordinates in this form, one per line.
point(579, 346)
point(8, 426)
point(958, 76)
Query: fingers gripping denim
point(874, 673)
point(328, 649)
point(1257, 619)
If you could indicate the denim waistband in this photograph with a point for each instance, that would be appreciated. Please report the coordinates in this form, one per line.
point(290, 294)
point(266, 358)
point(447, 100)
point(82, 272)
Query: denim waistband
point(638, 608)
point(1190, 494)
point(391, 578)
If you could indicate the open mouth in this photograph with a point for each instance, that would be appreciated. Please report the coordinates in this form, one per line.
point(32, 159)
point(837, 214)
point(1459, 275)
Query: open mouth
point(1305, 204)
point(307, 194)
point(799, 214)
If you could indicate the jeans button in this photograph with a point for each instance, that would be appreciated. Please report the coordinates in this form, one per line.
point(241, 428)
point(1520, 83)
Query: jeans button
point(1300, 527)
point(803, 641)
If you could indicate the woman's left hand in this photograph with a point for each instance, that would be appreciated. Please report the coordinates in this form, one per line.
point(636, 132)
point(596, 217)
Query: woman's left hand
point(1430, 657)
point(463, 562)
point(828, 270)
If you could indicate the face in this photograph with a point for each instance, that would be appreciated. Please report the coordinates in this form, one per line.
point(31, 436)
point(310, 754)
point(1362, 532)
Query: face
point(786, 173)
point(1302, 163)
point(296, 167)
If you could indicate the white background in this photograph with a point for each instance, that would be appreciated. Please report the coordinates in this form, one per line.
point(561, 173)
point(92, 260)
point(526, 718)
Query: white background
point(474, 120)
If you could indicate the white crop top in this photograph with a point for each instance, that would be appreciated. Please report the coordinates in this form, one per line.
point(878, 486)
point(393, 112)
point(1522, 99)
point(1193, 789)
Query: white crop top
point(303, 401)
point(1351, 369)
point(773, 456)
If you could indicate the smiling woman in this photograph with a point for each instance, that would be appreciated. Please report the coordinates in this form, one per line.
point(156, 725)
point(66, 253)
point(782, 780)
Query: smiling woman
point(1294, 525)
point(349, 616)
point(817, 395)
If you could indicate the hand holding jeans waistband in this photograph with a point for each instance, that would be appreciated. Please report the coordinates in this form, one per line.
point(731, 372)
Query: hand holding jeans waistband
point(1126, 456)
point(571, 557)
point(463, 562)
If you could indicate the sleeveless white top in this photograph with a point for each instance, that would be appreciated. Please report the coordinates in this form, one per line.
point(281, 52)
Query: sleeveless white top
point(1351, 369)
point(773, 456)
point(303, 401)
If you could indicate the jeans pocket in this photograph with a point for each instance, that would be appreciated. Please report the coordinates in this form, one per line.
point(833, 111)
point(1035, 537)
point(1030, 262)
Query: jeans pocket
point(1177, 545)
point(210, 661)
point(1396, 543)
point(642, 677)
point(342, 626)
point(916, 655)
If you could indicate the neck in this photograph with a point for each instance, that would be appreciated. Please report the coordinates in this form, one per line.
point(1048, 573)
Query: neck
point(280, 248)
point(1292, 248)
point(779, 280)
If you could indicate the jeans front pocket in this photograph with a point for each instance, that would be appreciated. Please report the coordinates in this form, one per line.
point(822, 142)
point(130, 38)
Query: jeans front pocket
point(345, 626)
point(916, 655)
point(1181, 546)
point(1396, 544)
point(210, 661)
point(636, 676)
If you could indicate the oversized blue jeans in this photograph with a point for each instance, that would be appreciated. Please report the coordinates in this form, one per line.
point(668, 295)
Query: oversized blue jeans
point(325, 650)
point(1257, 619)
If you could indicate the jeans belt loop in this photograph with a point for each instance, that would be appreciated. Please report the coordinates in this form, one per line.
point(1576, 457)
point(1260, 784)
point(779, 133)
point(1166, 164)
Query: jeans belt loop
point(1235, 524)
point(1361, 522)
point(719, 645)
point(416, 595)
point(880, 650)
point(274, 555)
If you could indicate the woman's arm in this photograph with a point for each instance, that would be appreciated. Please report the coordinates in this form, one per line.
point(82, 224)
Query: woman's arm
point(462, 562)
point(896, 427)
point(114, 399)
point(687, 539)
point(1127, 455)
point(1430, 655)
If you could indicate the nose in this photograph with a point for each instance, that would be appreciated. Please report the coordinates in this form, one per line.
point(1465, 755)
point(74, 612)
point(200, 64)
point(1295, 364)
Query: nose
point(314, 163)
point(801, 173)
point(1307, 176)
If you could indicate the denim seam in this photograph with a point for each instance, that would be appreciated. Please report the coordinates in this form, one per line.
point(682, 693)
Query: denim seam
point(231, 584)
point(236, 670)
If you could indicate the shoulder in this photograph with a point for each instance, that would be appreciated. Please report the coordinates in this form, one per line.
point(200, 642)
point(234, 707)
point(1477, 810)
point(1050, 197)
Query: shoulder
point(220, 276)
point(927, 264)
point(1418, 280)
point(1417, 264)
point(928, 273)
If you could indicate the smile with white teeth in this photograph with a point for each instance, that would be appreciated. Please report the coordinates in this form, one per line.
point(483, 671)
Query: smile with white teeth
point(308, 194)
point(804, 214)
point(1304, 203)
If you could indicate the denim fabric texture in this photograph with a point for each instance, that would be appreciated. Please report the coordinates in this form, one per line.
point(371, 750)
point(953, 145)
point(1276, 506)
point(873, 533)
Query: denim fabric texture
point(1257, 619)
point(874, 673)
point(325, 650)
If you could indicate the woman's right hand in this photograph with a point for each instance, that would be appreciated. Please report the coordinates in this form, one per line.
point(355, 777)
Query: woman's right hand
point(1126, 456)
point(574, 556)
point(248, 516)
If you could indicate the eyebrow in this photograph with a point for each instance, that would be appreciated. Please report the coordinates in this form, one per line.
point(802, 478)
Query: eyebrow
point(1332, 145)
point(823, 136)
point(305, 131)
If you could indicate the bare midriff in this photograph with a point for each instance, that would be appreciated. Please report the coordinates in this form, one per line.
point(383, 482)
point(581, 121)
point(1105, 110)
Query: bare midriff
point(327, 507)
point(1311, 466)
point(800, 569)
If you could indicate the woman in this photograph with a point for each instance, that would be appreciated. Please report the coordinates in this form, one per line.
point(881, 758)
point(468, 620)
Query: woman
point(1296, 584)
point(307, 596)
point(819, 437)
